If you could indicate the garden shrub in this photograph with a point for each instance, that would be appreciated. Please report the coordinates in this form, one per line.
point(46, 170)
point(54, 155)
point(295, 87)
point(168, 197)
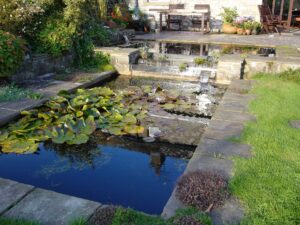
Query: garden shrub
point(56, 38)
point(12, 51)
point(290, 75)
point(202, 189)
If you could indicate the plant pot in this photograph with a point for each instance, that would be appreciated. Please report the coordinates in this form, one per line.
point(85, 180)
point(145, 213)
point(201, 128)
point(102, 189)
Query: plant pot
point(254, 32)
point(240, 31)
point(229, 29)
point(248, 32)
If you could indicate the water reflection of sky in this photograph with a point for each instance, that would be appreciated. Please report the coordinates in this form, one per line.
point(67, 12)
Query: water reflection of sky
point(102, 173)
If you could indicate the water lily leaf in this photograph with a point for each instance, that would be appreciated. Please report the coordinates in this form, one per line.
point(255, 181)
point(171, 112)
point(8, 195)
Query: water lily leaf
point(133, 129)
point(115, 117)
point(63, 93)
point(168, 106)
point(146, 89)
point(93, 112)
point(79, 114)
point(87, 126)
point(3, 136)
point(129, 118)
point(60, 135)
point(115, 131)
point(19, 146)
point(79, 139)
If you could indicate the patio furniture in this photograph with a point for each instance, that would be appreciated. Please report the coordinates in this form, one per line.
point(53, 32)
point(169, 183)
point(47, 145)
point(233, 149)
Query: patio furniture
point(174, 17)
point(204, 20)
point(270, 21)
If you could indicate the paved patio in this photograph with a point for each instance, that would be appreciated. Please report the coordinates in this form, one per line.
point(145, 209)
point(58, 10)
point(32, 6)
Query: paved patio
point(258, 40)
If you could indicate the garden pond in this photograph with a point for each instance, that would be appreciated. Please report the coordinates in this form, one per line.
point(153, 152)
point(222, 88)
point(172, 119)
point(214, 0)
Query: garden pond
point(124, 143)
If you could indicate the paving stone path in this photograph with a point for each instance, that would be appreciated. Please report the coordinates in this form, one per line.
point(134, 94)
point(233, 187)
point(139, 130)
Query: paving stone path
point(11, 110)
point(215, 149)
point(295, 124)
point(46, 207)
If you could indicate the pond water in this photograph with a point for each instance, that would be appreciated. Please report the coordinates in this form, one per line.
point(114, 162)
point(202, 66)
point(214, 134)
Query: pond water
point(126, 171)
point(120, 173)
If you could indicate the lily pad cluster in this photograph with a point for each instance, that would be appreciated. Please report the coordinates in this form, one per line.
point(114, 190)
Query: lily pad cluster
point(72, 118)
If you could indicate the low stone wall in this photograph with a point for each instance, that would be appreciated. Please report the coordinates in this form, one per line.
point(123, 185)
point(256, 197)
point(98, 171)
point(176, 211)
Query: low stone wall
point(229, 68)
point(256, 65)
point(40, 64)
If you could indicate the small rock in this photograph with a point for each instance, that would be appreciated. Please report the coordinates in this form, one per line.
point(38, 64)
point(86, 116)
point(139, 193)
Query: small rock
point(295, 124)
point(148, 139)
point(154, 132)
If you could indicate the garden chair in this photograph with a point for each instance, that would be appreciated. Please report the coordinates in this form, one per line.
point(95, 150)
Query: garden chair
point(270, 21)
point(197, 20)
point(173, 18)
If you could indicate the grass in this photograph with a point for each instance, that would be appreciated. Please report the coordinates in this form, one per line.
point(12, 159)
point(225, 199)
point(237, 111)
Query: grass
point(13, 93)
point(269, 183)
point(5, 221)
point(129, 216)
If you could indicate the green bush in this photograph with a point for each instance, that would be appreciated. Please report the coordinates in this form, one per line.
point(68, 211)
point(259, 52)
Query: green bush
point(56, 38)
point(12, 51)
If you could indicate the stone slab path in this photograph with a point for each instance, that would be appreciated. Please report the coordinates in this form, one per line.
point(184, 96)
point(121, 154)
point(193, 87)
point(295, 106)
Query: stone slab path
point(215, 149)
point(258, 40)
point(21, 201)
point(11, 110)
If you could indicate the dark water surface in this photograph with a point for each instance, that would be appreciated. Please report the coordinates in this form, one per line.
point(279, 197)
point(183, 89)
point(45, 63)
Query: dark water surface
point(106, 173)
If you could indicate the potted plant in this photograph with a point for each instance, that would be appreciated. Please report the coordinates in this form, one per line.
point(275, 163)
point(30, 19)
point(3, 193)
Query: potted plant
point(239, 23)
point(229, 15)
point(248, 25)
point(256, 27)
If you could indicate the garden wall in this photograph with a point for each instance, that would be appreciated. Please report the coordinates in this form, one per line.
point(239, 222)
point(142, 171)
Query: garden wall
point(245, 7)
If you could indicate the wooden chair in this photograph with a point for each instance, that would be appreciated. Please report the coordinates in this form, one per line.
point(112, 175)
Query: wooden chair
point(269, 21)
point(175, 19)
point(197, 20)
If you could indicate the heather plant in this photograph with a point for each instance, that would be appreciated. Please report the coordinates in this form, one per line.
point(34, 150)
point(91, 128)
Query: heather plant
point(203, 189)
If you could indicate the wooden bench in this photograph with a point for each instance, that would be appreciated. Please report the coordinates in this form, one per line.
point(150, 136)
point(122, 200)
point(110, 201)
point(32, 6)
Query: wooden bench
point(204, 20)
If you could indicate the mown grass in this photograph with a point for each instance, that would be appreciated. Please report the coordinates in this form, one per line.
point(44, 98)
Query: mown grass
point(13, 93)
point(6, 221)
point(269, 183)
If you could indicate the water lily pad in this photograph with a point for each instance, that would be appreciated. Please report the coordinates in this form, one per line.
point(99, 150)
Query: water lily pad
point(134, 129)
point(19, 146)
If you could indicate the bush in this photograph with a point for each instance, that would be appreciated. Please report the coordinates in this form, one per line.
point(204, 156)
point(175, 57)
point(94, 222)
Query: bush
point(56, 38)
point(12, 51)
point(202, 189)
point(290, 75)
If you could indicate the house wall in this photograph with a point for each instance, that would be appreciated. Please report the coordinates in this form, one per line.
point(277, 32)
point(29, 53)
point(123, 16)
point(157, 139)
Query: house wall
point(245, 7)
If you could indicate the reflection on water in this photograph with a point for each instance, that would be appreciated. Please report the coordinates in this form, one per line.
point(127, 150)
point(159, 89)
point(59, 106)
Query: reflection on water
point(118, 171)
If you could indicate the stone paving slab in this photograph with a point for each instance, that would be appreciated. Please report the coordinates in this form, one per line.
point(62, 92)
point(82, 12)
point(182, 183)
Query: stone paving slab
point(234, 106)
point(231, 213)
point(23, 104)
point(7, 115)
point(51, 208)
point(238, 97)
point(295, 124)
point(11, 192)
point(200, 162)
point(221, 148)
point(172, 205)
point(57, 86)
point(233, 116)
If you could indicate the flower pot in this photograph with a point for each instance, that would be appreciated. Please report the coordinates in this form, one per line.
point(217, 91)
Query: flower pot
point(229, 29)
point(248, 32)
point(240, 31)
point(254, 32)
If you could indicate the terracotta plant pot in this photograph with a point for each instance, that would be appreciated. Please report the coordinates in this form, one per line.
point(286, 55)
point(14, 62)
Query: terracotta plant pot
point(240, 31)
point(248, 32)
point(229, 29)
point(254, 32)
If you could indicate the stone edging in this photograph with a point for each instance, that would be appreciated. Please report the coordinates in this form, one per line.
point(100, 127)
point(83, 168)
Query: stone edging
point(214, 151)
point(11, 110)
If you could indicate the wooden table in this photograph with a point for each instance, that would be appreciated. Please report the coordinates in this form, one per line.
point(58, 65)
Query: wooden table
point(168, 14)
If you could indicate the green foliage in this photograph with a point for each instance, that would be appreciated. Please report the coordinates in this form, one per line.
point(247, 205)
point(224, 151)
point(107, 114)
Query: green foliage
point(128, 216)
point(290, 75)
point(13, 93)
point(182, 67)
point(229, 15)
point(12, 51)
point(56, 38)
point(200, 61)
point(71, 119)
point(268, 182)
point(6, 221)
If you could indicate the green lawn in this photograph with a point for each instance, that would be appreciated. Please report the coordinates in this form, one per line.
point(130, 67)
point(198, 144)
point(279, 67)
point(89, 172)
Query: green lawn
point(269, 182)
point(12, 93)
